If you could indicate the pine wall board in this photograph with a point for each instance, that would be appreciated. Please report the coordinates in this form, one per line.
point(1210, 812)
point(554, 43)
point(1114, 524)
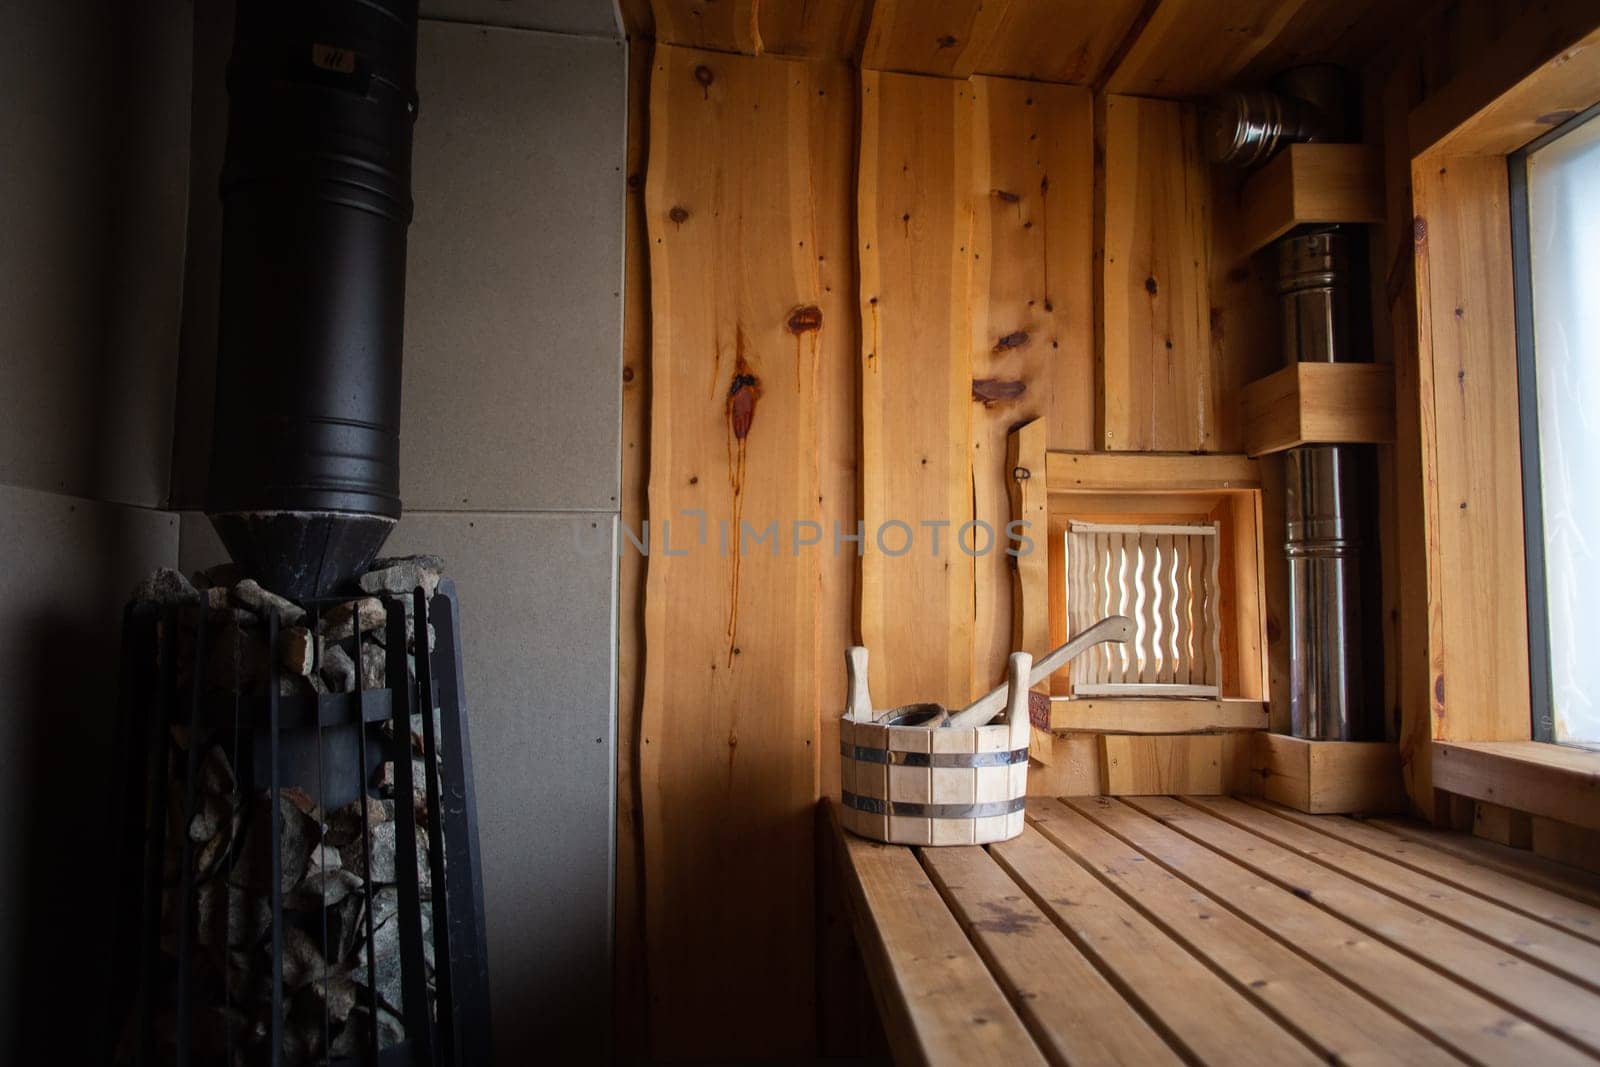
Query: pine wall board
point(744, 318)
point(1032, 312)
point(1158, 385)
point(918, 188)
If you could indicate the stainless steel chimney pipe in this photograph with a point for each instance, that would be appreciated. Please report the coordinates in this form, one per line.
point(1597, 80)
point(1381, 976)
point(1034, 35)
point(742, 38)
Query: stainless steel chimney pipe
point(1322, 508)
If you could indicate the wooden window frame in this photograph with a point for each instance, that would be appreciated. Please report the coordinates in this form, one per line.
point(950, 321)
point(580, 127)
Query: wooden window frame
point(1480, 711)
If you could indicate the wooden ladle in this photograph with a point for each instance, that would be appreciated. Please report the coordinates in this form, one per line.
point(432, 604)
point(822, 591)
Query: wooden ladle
point(1117, 628)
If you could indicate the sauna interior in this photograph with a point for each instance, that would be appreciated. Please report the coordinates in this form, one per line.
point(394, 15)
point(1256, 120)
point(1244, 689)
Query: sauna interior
point(774, 373)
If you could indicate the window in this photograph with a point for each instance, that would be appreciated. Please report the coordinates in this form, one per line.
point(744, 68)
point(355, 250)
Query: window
point(1555, 202)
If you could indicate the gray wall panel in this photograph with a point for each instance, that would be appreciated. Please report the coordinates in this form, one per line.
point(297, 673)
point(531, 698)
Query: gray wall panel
point(94, 129)
point(71, 564)
point(513, 308)
point(538, 644)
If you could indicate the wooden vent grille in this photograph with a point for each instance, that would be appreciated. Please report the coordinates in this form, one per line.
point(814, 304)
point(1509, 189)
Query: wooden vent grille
point(1162, 577)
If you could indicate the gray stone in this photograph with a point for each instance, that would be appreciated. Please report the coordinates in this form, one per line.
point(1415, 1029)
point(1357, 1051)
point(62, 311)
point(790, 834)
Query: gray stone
point(344, 824)
point(299, 816)
point(374, 666)
point(166, 586)
point(339, 623)
point(329, 887)
point(411, 634)
point(338, 670)
point(251, 595)
point(402, 575)
point(302, 958)
point(297, 651)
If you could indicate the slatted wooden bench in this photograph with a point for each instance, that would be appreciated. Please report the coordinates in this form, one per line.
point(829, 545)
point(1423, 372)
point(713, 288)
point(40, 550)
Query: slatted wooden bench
point(1213, 930)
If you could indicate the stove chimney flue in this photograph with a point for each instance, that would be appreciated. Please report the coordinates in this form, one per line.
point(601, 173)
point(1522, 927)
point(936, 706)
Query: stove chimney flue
point(316, 192)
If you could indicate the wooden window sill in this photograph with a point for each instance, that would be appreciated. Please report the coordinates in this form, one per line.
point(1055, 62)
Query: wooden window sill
point(1556, 781)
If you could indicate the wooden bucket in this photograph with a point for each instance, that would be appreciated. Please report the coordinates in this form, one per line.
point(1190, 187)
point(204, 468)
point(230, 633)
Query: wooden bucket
point(913, 784)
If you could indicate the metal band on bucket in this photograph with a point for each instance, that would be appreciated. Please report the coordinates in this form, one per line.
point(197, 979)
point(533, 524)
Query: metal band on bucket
point(932, 759)
point(876, 806)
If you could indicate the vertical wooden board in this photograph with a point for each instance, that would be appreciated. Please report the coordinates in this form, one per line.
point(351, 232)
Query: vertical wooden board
point(1243, 319)
point(630, 992)
point(1467, 336)
point(1157, 380)
point(723, 25)
point(939, 37)
point(833, 132)
point(916, 197)
point(1073, 772)
point(1133, 765)
point(1275, 568)
point(1030, 618)
point(1031, 302)
point(830, 28)
point(1058, 40)
point(729, 720)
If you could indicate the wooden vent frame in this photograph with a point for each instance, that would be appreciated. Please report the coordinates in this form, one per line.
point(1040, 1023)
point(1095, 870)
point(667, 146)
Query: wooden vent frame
point(1165, 578)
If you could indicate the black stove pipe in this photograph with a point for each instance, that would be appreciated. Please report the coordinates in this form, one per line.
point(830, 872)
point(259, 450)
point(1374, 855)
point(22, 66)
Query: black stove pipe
point(316, 192)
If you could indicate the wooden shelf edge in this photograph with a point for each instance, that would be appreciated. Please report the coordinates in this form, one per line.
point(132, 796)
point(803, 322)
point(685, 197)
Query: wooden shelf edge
point(1319, 403)
point(1330, 777)
point(1537, 777)
point(1141, 715)
point(1149, 472)
point(1308, 184)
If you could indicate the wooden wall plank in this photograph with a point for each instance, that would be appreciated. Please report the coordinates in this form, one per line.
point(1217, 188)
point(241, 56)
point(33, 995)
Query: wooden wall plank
point(813, 27)
point(1031, 301)
point(945, 38)
point(721, 25)
point(729, 721)
point(1160, 764)
point(916, 197)
point(1190, 47)
point(1157, 389)
point(1467, 339)
point(1058, 40)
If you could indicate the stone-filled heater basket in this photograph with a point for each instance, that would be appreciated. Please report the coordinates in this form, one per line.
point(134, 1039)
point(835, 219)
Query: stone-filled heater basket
point(909, 779)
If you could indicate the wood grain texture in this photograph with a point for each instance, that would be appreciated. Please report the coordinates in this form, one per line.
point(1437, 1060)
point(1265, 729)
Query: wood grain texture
point(1342, 1024)
point(1471, 440)
point(931, 985)
point(1069, 1006)
point(1157, 384)
point(1157, 716)
point(1536, 869)
point(820, 28)
point(1552, 781)
point(1160, 764)
point(720, 25)
point(1561, 1008)
point(1192, 47)
point(1058, 40)
point(1310, 183)
point(1031, 307)
point(1147, 472)
point(916, 194)
point(1322, 403)
point(1235, 867)
point(1510, 879)
point(1197, 1010)
point(1329, 776)
point(945, 38)
point(730, 711)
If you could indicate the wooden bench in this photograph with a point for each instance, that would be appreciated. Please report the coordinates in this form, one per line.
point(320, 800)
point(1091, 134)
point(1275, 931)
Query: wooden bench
point(1163, 930)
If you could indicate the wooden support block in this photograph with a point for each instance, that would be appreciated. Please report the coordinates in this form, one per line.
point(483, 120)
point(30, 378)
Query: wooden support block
point(1502, 825)
point(1328, 777)
point(1319, 403)
point(1308, 183)
point(1573, 845)
point(1148, 472)
point(1161, 764)
point(1156, 716)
